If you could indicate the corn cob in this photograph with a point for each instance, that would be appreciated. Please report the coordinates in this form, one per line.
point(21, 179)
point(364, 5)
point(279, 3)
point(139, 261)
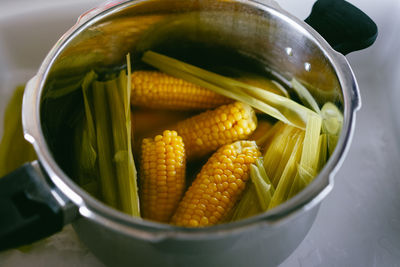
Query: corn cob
point(206, 132)
point(159, 90)
point(162, 175)
point(218, 186)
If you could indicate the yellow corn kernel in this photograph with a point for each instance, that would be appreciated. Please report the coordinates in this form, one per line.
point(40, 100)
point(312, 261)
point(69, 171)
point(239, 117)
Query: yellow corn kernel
point(213, 194)
point(155, 89)
point(162, 175)
point(206, 132)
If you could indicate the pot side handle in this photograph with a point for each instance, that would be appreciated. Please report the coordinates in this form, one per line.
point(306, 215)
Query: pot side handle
point(345, 27)
point(28, 210)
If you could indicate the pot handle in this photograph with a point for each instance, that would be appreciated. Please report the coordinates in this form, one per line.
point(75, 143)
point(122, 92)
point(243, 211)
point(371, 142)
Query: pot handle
point(29, 210)
point(345, 27)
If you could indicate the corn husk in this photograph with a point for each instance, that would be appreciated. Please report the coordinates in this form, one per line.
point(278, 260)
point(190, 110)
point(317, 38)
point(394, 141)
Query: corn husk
point(306, 98)
point(279, 152)
point(107, 173)
point(118, 92)
point(309, 162)
point(289, 173)
point(323, 151)
point(248, 205)
point(258, 194)
point(262, 183)
point(279, 107)
point(105, 164)
point(262, 82)
point(14, 149)
point(86, 144)
point(332, 122)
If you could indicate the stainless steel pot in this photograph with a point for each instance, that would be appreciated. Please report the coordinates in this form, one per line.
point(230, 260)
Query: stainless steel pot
point(39, 198)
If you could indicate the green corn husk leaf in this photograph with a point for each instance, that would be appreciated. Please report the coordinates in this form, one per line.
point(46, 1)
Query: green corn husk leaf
point(309, 156)
point(263, 185)
point(248, 205)
point(286, 180)
point(287, 152)
point(104, 139)
point(118, 92)
point(86, 143)
point(279, 152)
point(105, 165)
point(258, 193)
point(332, 122)
point(277, 106)
point(323, 151)
point(305, 96)
point(85, 159)
point(14, 149)
point(308, 166)
point(281, 88)
point(259, 81)
point(263, 175)
point(275, 151)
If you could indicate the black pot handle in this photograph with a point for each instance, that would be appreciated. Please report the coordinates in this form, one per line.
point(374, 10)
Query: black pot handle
point(28, 210)
point(344, 27)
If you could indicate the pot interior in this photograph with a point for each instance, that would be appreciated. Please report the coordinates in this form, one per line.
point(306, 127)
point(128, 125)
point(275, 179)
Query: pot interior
point(208, 33)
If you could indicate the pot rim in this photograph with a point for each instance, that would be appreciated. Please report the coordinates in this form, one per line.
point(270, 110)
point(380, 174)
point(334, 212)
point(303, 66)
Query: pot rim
point(93, 209)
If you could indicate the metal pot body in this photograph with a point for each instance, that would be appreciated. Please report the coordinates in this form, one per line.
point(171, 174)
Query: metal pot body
point(261, 245)
point(196, 30)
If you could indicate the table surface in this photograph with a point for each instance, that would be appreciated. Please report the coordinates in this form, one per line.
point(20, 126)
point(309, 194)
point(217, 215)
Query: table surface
point(358, 223)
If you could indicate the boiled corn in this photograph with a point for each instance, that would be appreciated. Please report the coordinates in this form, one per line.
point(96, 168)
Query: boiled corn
point(206, 132)
point(159, 90)
point(218, 186)
point(162, 175)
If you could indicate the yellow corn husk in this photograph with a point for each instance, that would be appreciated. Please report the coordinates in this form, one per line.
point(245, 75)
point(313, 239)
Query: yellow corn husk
point(279, 151)
point(105, 153)
point(248, 205)
point(263, 83)
point(308, 166)
point(309, 156)
point(218, 186)
point(305, 96)
point(154, 89)
point(322, 152)
point(103, 142)
point(258, 194)
point(85, 143)
point(332, 122)
point(206, 132)
point(14, 149)
point(289, 173)
point(162, 176)
point(118, 92)
point(264, 188)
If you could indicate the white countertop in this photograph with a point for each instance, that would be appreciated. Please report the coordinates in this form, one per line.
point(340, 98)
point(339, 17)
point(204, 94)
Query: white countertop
point(358, 223)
